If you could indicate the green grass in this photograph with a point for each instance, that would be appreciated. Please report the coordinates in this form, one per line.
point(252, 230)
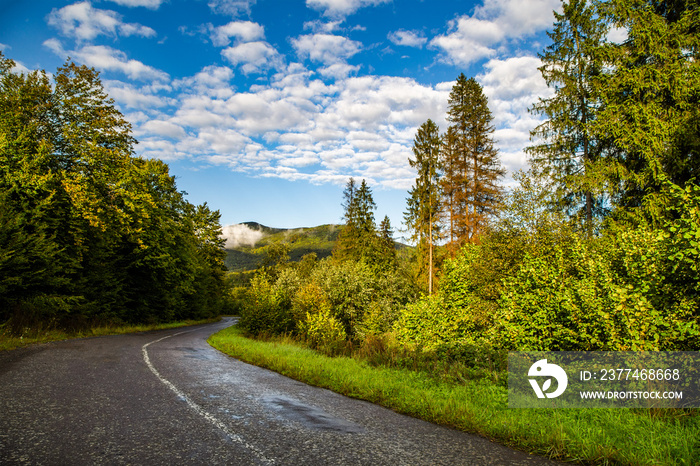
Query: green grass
point(587, 436)
point(32, 336)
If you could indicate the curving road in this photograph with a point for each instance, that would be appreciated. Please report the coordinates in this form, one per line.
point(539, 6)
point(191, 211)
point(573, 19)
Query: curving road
point(167, 397)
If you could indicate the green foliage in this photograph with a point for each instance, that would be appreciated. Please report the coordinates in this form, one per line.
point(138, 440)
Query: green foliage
point(361, 300)
point(323, 331)
point(566, 151)
point(91, 233)
point(534, 283)
point(267, 308)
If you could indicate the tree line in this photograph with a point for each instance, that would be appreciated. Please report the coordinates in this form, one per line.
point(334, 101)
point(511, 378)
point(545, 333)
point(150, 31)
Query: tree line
point(90, 232)
point(598, 246)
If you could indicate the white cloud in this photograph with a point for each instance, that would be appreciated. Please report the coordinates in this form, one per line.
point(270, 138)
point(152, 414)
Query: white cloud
point(471, 38)
point(297, 127)
point(150, 4)
point(83, 22)
point(326, 48)
point(338, 70)
point(245, 31)
point(253, 56)
point(617, 35)
point(340, 8)
point(212, 80)
point(132, 97)
point(108, 59)
point(163, 128)
point(318, 26)
point(240, 235)
point(407, 38)
point(512, 86)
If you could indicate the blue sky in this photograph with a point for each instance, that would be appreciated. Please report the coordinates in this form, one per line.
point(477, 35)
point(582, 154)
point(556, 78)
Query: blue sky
point(265, 108)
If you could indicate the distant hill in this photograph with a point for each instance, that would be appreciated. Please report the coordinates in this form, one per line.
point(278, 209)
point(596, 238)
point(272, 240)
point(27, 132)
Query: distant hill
point(243, 238)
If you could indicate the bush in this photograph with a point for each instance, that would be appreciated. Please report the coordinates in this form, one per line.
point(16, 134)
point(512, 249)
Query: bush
point(267, 308)
point(363, 301)
point(324, 332)
point(633, 288)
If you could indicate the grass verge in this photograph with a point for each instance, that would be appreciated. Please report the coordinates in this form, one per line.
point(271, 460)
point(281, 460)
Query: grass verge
point(586, 436)
point(32, 336)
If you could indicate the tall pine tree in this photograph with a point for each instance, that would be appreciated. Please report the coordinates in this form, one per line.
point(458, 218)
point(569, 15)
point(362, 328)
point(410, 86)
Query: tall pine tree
point(476, 168)
point(567, 152)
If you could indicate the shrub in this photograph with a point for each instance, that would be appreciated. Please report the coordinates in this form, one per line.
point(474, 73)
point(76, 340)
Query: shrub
point(324, 332)
point(267, 308)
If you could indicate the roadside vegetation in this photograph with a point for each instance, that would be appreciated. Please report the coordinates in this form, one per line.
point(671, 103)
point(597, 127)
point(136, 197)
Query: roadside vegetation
point(473, 397)
point(596, 248)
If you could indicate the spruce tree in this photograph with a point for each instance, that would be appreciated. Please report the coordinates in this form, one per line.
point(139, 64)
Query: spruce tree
point(650, 93)
point(566, 151)
point(358, 239)
point(477, 168)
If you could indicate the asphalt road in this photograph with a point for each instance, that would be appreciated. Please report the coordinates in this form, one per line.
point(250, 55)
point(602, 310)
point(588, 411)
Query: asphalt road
point(167, 397)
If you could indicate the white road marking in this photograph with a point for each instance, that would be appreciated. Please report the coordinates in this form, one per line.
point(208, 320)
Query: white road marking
point(198, 409)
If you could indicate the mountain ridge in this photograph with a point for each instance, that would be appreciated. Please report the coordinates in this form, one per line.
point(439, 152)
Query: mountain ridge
point(243, 239)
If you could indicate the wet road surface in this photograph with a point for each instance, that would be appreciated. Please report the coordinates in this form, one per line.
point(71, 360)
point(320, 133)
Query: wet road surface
point(167, 397)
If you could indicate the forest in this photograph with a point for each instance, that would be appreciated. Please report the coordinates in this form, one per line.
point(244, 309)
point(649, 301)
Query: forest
point(91, 234)
point(597, 248)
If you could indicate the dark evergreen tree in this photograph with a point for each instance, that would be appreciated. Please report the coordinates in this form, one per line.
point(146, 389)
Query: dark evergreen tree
point(359, 239)
point(651, 98)
point(567, 152)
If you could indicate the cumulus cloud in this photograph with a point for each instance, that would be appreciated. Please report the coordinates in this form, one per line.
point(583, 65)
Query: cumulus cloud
point(83, 22)
point(108, 59)
point(471, 38)
point(132, 97)
point(253, 56)
point(297, 127)
point(341, 8)
point(338, 70)
point(407, 38)
point(212, 80)
point(163, 128)
point(241, 235)
point(512, 86)
point(244, 31)
point(326, 48)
